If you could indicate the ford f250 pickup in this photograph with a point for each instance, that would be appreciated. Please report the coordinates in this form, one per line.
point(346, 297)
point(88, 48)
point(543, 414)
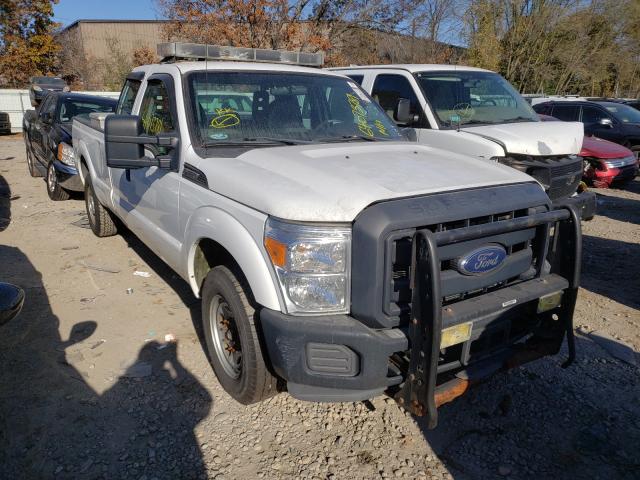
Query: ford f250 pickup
point(477, 112)
point(333, 257)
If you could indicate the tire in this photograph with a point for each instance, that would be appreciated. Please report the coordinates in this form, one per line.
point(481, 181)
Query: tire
point(33, 171)
point(100, 219)
point(54, 190)
point(225, 299)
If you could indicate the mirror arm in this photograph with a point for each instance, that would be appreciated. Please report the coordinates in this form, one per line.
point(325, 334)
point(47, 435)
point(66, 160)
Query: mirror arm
point(160, 140)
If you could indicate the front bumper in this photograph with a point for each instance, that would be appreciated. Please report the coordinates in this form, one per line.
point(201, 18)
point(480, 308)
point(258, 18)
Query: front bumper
point(608, 176)
point(337, 358)
point(584, 203)
point(68, 177)
point(330, 358)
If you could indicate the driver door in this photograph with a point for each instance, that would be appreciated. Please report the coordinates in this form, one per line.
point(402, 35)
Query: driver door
point(148, 197)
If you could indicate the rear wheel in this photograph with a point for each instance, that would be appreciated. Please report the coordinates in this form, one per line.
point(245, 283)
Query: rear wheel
point(100, 219)
point(228, 321)
point(55, 191)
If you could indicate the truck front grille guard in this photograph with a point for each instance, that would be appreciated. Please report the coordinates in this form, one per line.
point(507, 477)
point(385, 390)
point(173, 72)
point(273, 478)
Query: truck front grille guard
point(418, 393)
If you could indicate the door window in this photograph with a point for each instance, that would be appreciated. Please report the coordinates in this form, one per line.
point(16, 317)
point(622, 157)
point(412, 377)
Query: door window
point(593, 115)
point(388, 89)
point(567, 113)
point(155, 110)
point(128, 97)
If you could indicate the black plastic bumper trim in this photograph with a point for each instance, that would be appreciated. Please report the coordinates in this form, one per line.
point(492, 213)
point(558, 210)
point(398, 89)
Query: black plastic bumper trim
point(287, 338)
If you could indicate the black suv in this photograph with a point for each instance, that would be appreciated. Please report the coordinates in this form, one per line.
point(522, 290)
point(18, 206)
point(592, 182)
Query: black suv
point(612, 121)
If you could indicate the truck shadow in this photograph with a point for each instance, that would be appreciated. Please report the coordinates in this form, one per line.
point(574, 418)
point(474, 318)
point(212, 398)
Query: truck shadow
point(54, 424)
point(618, 208)
point(542, 421)
point(609, 269)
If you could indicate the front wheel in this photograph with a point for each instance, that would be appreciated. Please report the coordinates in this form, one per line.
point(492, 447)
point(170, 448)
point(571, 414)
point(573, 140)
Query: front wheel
point(100, 219)
point(228, 321)
point(55, 191)
point(33, 171)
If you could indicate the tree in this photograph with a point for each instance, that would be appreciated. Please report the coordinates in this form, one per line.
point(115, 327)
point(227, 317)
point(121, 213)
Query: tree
point(27, 46)
point(144, 56)
point(303, 25)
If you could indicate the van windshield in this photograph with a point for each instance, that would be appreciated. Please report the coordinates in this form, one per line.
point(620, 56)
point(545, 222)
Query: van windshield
point(473, 98)
point(283, 107)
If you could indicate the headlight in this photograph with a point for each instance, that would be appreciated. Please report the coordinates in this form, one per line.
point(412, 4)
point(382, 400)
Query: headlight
point(621, 162)
point(37, 88)
point(66, 155)
point(66, 89)
point(312, 264)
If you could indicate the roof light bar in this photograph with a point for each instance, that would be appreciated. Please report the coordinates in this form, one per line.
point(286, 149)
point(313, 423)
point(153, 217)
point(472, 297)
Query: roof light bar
point(195, 51)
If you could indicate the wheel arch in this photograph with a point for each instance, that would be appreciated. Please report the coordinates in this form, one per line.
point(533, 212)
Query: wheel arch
point(217, 238)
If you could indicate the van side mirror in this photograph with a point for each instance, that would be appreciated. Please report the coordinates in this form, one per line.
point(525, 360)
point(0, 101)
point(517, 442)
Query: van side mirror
point(402, 114)
point(606, 122)
point(125, 140)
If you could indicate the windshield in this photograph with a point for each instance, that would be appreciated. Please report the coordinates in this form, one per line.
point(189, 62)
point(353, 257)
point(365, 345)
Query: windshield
point(72, 107)
point(624, 113)
point(274, 107)
point(465, 98)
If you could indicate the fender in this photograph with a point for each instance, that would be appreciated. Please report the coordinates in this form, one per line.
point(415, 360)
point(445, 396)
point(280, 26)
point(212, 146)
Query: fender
point(216, 224)
point(80, 150)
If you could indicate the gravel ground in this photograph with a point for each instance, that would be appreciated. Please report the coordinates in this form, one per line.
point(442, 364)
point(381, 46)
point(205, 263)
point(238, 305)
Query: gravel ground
point(89, 389)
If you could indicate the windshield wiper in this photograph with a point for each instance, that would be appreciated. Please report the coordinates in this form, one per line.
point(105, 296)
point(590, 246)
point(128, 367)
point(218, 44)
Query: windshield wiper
point(350, 138)
point(285, 141)
point(257, 141)
point(518, 119)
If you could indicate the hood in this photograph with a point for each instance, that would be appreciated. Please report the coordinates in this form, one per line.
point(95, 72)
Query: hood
point(598, 148)
point(534, 138)
point(333, 183)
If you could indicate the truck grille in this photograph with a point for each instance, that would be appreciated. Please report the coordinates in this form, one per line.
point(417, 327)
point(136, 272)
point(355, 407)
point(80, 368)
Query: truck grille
point(519, 264)
point(382, 246)
point(561, 175)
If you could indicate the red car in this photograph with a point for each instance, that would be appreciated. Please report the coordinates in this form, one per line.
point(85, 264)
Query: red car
point(605, 162)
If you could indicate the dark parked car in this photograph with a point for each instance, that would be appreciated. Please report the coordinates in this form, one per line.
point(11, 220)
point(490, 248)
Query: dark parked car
point(41, 86)
point(5, 123)
point(47, 136)
point(612, 121)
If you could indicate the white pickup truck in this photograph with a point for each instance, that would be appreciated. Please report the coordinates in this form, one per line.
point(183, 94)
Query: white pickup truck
point(476, 112)
point(333, 257)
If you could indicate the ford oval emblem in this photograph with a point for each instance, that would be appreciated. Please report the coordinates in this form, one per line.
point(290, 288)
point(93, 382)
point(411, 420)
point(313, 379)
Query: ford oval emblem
point(481, 260)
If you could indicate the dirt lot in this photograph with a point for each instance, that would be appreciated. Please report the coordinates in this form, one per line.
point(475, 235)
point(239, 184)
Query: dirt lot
point(89, 388)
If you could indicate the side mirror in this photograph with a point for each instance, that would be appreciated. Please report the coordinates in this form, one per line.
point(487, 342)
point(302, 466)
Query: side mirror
point(125, 140)
point(606, 122)
point(402, 114)
point(11, 301)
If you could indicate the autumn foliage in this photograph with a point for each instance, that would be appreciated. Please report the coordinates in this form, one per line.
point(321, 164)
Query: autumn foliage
point(27, 47)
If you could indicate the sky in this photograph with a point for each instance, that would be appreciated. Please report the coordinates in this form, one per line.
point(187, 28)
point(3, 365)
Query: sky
point(68, 11)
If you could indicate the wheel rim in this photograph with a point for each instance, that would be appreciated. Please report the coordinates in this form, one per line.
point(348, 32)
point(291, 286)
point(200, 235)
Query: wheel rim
point(51, 179)
point(91, 206)
point(224, 333)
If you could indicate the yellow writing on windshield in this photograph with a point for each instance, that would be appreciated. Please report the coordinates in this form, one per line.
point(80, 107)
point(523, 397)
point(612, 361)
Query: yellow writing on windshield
point(381, 128)
point(359, 114)
point(225, 118)
point(152, 124)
